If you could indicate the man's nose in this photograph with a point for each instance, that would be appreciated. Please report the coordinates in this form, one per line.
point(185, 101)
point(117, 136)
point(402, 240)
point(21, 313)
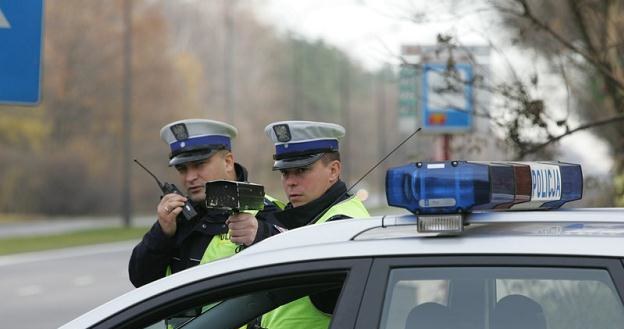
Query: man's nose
point(290, 179)
point(191, 174)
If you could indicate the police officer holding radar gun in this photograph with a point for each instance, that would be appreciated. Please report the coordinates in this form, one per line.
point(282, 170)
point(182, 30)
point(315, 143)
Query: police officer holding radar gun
point(307, 155)
point(187, 232)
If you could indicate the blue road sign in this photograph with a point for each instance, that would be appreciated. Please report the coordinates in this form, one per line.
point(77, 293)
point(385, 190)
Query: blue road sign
point(21, 27)
point(447, 99)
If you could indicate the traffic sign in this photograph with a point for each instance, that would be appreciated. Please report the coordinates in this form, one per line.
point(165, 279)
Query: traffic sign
point(447, 98)
point(21, 30)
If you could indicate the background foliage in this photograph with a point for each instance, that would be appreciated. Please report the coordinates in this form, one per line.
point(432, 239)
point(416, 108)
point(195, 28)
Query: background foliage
point(64, 156)
point(216, 60)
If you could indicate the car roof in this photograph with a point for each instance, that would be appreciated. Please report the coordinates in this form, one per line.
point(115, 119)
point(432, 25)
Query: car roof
point(482, 229)
point(579, 232)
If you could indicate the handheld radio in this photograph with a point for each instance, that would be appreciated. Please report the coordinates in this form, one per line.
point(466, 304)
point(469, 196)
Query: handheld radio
point(187, 210)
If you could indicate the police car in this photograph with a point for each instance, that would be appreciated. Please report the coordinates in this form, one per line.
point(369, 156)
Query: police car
point(485, 247)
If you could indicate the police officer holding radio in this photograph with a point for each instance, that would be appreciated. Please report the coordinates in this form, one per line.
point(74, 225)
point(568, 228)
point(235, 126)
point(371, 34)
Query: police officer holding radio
point(200, 152)
point(307, 155)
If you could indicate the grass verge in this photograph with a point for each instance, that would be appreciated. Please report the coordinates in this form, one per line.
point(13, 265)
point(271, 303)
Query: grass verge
point(77, 238)
point(94, 236)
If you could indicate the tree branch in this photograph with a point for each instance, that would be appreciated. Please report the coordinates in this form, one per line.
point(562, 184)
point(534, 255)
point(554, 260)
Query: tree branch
point(553, 139)
point(598, 64)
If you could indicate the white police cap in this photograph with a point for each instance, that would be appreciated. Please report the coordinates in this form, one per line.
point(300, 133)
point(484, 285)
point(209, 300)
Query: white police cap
point(196, 139)
point(299, 144)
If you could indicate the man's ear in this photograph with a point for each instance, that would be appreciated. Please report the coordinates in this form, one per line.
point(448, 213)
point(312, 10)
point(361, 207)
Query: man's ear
point(335, 167)
point(228, 158)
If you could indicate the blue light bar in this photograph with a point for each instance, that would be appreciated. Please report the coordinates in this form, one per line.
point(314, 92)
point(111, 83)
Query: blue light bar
point(439, 187)
point(522, 185)
point(461, 186)
point(571, 184)
point(502, 186)
point(553, 184)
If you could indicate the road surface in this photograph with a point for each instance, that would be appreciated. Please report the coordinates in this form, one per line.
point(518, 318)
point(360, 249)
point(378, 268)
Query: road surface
point(48, 289)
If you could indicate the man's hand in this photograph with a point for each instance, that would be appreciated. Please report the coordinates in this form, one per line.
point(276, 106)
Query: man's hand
point(168, 209)
point(243, 228)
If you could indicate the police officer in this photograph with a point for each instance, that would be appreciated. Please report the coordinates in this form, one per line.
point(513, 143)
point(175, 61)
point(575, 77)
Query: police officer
point(307, 155)
point(200, 152)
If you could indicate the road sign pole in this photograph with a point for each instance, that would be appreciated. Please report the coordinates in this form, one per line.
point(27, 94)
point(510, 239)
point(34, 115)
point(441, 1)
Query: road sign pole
point(446, 146)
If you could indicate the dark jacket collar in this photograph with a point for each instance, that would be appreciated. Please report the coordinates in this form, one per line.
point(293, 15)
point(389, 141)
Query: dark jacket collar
point(293, 217)
point(241, 172)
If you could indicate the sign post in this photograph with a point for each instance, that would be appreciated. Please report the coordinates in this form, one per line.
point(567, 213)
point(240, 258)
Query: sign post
point(21, 30)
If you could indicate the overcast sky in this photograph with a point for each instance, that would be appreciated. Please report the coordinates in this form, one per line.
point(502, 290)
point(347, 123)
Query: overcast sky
point(372, 32)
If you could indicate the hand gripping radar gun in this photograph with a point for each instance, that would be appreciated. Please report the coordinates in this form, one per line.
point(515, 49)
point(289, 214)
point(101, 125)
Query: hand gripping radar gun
point(234, 196)
point(187, 210)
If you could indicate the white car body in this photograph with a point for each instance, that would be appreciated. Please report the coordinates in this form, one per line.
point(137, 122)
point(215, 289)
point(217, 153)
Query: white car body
point(573, 232)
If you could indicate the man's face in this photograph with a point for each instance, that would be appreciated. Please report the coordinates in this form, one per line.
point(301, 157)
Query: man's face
point(303, 185)
point(195, 174)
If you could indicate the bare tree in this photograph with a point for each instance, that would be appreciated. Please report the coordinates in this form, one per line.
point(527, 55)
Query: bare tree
point(582, 46)
point(584, 43)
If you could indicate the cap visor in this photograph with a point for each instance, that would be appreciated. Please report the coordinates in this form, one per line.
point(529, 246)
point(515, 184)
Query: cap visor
point(189, 157)
point(300, 162)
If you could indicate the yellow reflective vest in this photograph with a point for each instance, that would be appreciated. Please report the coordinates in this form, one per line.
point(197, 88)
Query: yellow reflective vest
point(301, 313)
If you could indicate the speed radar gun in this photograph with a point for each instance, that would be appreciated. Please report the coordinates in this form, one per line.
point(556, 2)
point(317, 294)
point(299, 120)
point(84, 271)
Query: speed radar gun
point(233, 196)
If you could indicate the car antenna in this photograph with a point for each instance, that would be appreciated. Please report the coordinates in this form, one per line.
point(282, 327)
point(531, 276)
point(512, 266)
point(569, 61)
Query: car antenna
point(364, 176)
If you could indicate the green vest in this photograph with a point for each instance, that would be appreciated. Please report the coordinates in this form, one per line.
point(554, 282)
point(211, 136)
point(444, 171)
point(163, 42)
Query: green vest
point(301, 313)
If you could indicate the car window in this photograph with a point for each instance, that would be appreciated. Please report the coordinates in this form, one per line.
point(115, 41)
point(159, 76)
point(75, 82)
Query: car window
point(235, 311)
point(233, 300)
point(501, 297)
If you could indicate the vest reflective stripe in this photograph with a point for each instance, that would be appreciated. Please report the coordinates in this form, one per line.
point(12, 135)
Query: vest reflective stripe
point(301, 313)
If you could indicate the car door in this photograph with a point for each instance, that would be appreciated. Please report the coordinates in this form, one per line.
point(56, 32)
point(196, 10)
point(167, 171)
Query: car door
point(483, 292)
point(232, 300)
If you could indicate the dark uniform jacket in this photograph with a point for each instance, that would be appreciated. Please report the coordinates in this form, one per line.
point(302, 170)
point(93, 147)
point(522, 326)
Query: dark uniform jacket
point(151, 257)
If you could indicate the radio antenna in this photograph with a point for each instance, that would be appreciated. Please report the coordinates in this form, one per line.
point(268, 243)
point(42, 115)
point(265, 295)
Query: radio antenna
point(382, 160)
point(364, 176)
point(149, 172)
